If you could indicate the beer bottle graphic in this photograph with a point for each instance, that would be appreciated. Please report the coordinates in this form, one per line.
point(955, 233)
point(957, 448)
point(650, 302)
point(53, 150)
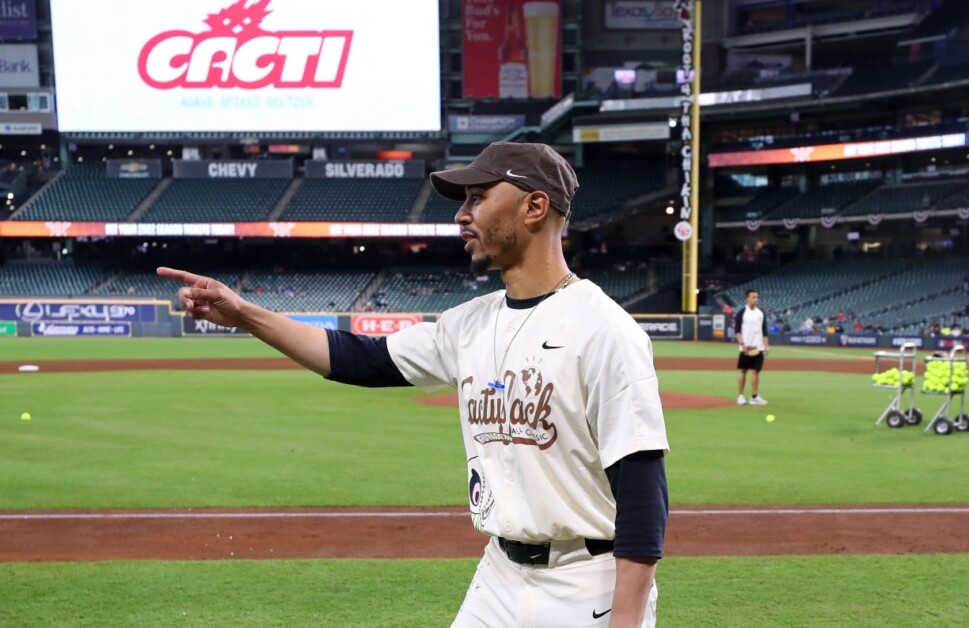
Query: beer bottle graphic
point(512, 57)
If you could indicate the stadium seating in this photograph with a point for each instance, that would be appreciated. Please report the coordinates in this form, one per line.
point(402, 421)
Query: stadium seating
point(872, 79)
point(757, 207)
point(430, 289)
point(439, 209)
point(147, 284)
point(216, 200)
point(49, 278)
point(353, 200)
point(826, 200)
point(798, 284)
point(306, 291)
point(605, 185)
point(895, 199)
point(85, 193)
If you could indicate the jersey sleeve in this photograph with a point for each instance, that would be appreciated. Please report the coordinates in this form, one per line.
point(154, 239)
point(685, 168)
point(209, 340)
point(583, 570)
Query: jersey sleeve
point(424, 354)
point(623, 405)
point(739, 321)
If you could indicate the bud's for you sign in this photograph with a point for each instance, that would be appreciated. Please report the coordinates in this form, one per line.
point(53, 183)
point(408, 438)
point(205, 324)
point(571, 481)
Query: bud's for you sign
point(512, 49)
point(18, 65)
point(247, 65)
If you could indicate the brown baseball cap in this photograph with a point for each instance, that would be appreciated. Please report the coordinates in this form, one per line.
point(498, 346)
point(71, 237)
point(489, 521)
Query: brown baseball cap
point(531, 167)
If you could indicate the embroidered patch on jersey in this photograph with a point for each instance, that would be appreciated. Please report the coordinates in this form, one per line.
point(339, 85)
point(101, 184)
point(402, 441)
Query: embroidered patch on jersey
point(517, 414)
point(480, 498)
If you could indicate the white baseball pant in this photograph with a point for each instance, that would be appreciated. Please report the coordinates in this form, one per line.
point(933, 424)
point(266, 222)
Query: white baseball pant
point(576, 589)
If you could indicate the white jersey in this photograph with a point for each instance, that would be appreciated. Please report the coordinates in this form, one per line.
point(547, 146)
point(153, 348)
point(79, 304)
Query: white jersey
point(575, 393)
point(751, 325)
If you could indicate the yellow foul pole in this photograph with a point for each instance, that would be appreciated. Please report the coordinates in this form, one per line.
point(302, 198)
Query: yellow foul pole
point(687, 230)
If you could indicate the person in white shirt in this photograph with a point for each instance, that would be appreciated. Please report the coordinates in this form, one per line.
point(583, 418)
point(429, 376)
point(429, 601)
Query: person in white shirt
point(751, 330)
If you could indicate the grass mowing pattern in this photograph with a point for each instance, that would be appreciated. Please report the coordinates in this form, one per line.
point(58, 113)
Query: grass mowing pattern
point(769, 592)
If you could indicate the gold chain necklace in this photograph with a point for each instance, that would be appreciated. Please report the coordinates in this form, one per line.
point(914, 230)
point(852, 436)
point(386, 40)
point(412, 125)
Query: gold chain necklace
point(496, 385)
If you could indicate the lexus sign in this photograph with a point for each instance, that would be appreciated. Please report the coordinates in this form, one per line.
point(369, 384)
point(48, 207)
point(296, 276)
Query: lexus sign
point(247, 65)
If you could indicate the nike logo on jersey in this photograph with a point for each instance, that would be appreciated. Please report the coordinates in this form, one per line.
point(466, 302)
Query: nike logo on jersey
point(596, 615)
point(545, 345)
point(509, 173)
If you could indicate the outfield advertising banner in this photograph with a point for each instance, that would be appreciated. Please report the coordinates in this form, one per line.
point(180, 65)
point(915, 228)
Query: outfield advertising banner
point(198, 327)
point(898, 341)
point(512, 49)
point(320, 321)
point(77, 312)
point(665, 327)
point(807, 339)
point(51, 329)
point(247, 65)
point(858, 340)
point(382, 324)
point(8, 328)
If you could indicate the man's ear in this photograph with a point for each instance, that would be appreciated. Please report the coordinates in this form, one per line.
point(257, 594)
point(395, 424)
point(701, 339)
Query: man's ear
point(537, 206)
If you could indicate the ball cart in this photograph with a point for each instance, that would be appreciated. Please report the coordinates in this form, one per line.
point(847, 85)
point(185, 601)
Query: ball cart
point(950, 383)
point(905, 359)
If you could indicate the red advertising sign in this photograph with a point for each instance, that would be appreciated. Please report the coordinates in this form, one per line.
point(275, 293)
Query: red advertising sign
point(512, 49)
point(382, 324)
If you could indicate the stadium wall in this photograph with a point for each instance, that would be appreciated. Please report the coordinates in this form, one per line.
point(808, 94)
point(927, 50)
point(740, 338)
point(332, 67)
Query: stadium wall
point(27, 317)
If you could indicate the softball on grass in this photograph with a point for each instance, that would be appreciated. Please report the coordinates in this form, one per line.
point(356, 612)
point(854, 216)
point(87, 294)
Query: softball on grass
point(771, 418)
point(25, 416)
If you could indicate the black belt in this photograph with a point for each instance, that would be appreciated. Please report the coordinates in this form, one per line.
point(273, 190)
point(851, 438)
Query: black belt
point(537, 554)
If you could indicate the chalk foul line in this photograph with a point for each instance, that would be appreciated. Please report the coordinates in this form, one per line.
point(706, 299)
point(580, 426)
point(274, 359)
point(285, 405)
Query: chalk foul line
point(720, 512)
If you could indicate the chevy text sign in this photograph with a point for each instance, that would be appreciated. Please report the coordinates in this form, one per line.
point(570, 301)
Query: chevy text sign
point(246, 169)
point(247, 65)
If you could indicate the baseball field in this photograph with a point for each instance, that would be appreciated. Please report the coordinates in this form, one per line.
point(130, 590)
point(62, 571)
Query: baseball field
point(208, 482)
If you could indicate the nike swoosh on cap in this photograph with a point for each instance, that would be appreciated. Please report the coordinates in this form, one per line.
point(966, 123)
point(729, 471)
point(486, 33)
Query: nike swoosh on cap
point(509, 173)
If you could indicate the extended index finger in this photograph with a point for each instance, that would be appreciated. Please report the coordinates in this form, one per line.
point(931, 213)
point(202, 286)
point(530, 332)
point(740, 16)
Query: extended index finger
point(179, 275)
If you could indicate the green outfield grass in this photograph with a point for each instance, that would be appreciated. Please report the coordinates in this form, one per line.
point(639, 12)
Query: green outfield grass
point(769, 592)
point(157, 348)
point(248, 438)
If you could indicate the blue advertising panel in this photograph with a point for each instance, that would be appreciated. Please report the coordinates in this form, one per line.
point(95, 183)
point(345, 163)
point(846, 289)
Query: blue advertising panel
point(80, 329)
point(322, 321)
point(77, 312)
point(18, 19)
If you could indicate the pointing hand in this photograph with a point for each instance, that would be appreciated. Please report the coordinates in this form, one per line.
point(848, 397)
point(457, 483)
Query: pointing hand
point(206, 298)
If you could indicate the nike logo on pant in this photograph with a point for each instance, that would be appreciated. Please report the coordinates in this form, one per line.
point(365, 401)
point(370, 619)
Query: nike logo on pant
point(596, 615)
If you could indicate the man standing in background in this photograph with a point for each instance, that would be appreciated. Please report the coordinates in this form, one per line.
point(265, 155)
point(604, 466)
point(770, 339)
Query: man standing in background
point(751, 330)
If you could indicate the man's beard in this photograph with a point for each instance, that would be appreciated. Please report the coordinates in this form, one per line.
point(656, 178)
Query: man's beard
point(481, 265)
